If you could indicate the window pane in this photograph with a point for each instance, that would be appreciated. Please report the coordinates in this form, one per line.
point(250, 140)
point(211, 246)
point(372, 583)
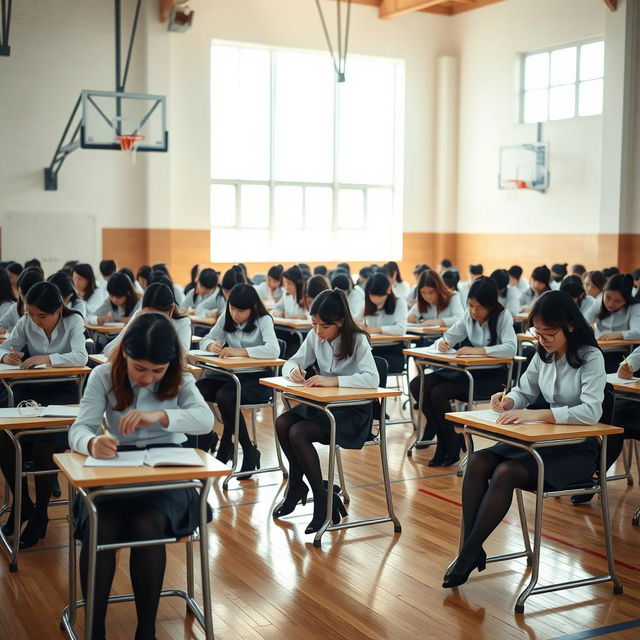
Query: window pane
point(535, 105)
point(318, 208)
point(367, 122)
point(562, 102)
point(303, 144)
point(350, 209)
point(563, 66)
point(590, 98)
point(379, 208)
point(240, 113)
point(536, 71)
point(254, 206)
point(592, 61)
point(223, 205)
point(287, 208)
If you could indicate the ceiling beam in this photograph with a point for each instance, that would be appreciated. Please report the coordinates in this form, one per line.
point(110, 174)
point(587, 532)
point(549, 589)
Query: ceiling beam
point(394, 8)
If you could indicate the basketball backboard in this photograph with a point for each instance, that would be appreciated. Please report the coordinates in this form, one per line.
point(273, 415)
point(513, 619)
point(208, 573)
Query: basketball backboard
point(524, 166)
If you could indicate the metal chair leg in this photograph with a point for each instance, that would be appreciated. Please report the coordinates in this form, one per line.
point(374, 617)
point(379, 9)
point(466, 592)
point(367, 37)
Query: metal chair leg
point(524, 527)
point(343, 483)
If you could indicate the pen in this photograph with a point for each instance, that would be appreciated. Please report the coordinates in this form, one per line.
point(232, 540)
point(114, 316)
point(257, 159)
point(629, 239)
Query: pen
point(504, 393)
point(105, 432)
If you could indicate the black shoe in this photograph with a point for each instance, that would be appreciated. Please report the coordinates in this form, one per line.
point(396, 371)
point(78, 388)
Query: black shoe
point(450, 460)
point(338, 512)
point(250, 460)
point(36, 528)
point(437, 460)
point(462, 443)
point(56, 491)
point(426, 437)
point(27, 510)
point(582, 498)
point(290, 502)
point(225, 452)
point(336, 488)
point(454, 579)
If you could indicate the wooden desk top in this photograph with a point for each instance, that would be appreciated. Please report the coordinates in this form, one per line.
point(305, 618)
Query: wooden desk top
point(603, 344)
point(423, 353)
point(34, 422)
point(521, 317)
point(525, 337)
point(100, 328)
point(196, 338)
point(49, 372)
point(98, 358)
point(207, 322)
point(293, 323)
point(534, 432)
point(72, 465)
point(425, 330)
point(630, 388)
point(236, 362)
point(328, 394)
point(388, 338)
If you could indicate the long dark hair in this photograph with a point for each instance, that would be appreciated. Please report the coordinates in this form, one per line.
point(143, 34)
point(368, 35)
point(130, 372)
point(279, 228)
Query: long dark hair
point(232, 277)
point(378, 285)
point(47, 297)
point(63, 281)
point(275, 272)
point(294, 274)
point(150, 337)
point(6, 290)
point(391, 268)
point(85, 270)
point(314, 286)
point(208, 278)
point(14, 267)
point(28, 278)
point(244, 296)
point(597, 279)
point(431, 279)
point(574, 287)
point(119, 285)
point(501, 278)
point(558, 311)
point(541, 274)
point(623, 284)
point(160, 296)
point(144, 272)
point(331, 307)
point(485, 291)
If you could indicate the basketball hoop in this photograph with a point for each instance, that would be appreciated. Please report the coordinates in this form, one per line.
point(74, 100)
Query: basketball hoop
point(129, 142)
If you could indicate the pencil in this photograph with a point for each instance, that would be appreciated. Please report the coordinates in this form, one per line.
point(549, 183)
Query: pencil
point(105, 432)
point(504, 393)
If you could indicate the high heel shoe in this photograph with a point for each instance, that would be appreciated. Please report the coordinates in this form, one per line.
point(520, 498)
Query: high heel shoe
point(336, 488)
point(290, 502)
point(36, 528)
point(225, 451)
point(437, 460)
point(453, 579)
point(250, 460)
point(7, 528)
point(338, 512)
point(450, 460)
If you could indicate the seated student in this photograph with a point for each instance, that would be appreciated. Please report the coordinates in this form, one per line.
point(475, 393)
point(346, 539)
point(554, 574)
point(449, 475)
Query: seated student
point(486, 328)
point(158, 298)
point(107, 268)
point(136, 285)
point(271, 289)
point(84, 283)
point(418, 270)
point(594, 282)
point(344, 266)
point(320, 270)
point(508, 297)
point(340, 351)
point(385, 313)
point(245, 328)
point(27, 279)
point(355, 296)
point(568, 371)
point(558, 272)
point(233, 276)
point(539, 284)
point(312, 287)
point(177, 289)
point(516, 280)
point(205, 299)
point(245, 272)
point(48, 334)
point(444, 265)
point(143, 276)
point(578, 270)
point(120, 303)
point(475, 272)
point(363, 275)
point(587, 305)
point(70, 296)
point(7, 299)
point(610, 271)
point(305, 270)
point(14, 269)
point(451, 277)
point(437, 305)
point(291, 304)
point(195, 271)
point(68, 267)
point(398, 285)
point(35, 264)
point(147, 400)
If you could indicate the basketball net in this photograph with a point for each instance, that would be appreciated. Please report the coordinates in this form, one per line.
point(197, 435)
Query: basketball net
point(129, 143)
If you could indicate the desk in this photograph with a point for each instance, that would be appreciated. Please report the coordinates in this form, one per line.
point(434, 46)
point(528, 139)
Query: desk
point(115, 481)
point(422, 330)
point(16, 429)
point(297, 327)
point(230, 367)
point(326, 398)
point(12, 377)
point(96, 330)
point(202, 321)
point(531, 438)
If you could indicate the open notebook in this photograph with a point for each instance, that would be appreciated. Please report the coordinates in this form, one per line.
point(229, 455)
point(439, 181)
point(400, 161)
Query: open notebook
point(157, 457)
point(492, 416)
point(52, 411)
point(4, 366)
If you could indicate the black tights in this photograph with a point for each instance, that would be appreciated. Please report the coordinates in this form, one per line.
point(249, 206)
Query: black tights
point(487, 492)
point(296, 436)
point(120, 521)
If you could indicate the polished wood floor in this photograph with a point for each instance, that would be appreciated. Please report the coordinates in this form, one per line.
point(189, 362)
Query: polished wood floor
point(269, 582)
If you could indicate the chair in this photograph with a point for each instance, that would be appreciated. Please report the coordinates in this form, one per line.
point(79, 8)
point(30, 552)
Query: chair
point(258, 278)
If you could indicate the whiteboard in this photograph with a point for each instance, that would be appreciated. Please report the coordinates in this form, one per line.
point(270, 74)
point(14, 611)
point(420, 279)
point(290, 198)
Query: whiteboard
point(53, 238)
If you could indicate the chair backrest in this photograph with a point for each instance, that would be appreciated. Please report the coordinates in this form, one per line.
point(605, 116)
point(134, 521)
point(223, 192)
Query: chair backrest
point(258, 278)
point(608, 403)
point(283, 348)
point(383, 370)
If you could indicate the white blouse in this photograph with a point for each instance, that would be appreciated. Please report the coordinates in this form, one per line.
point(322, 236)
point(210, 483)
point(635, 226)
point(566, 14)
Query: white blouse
point(357, 371)
point(355, 299)
point(589, 309)
point(626, 320)
point(266, 294)
point(393, 324)
point(400, 289)
point(103, 309)
point(187, 412)
point(634, 359)
point(575, 395)
point(79, 305)
point(289, 306)
point(5, 306)
point(510, 301)
point(94, 301)
point(259, 343)
point(10, 317)
point(178, 294)
point(449, 314)
point(202, 304)
point(65, 349)
point(528, 297)
point(480, 336)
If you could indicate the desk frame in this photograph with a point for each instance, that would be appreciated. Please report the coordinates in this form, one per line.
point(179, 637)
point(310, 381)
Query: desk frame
point(8, 382)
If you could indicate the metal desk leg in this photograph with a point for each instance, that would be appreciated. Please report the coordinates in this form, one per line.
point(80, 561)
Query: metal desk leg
point(236, 431)
point(204, 562)
point(397, 527)
point(332, 464)
point(274, 414)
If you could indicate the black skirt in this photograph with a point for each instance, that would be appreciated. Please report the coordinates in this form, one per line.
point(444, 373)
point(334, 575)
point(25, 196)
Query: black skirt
point(251, 391)
point(392, 353)
point(486, 382)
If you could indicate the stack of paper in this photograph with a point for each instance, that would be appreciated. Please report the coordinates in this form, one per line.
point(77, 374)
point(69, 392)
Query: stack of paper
point(156, 457)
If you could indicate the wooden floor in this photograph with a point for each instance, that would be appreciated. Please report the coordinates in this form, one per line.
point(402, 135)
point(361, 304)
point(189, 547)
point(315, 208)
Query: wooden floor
point(270, 582)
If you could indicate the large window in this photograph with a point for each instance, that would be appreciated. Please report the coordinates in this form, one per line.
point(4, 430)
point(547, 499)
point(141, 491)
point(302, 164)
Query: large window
point(562, 83)
point(303, 168)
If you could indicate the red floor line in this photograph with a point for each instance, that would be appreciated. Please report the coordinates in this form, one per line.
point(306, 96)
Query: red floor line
point(546, 536)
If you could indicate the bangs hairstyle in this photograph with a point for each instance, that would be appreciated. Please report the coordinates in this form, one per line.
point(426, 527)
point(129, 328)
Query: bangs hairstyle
point(597, 279)
point(557, 310)
point(244, 296)
point(6, 290)
point(85, 270)
point(275, 272)
point(431, 279)
point(63, 281)
point(47, 297)
point(160, 297)
point(379, 285)
point(294, 274)
point(315, 285)
point(150, 337)
point(28, 278)
point(623, 284)
point(331, 307)
point(542, 274)
point(485, 292)
point(232, 277)
point(120, 285)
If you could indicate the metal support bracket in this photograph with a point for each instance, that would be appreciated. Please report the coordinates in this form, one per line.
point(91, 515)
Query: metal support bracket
point(340, 61)
point(5, 49)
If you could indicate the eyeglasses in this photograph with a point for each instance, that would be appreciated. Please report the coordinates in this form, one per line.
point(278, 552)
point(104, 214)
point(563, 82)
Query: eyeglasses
point(549, 336)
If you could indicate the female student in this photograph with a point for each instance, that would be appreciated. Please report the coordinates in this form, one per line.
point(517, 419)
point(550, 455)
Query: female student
point(355, 295)
point(271, 288)
point(558, 273)
point(516, 280)
point(340, 351)
point(437, 305)
point(70, 296)
point(195, 272)
point(206, 296)
point(487, 328)
point(385, 313)
point(158, 298)
point(232, 277)
point(568, 371)
point(84, 282)
point(400, 287)
point(120, 303)
point(418, 270)
point(147, 400)
point(143, 276)
point(244, 329)
point(508, 297)
point(14, 269)
point(27, 279)
point(7, 299)
point(177, 289)
point(136, 285)
point(587, 305)
point(312, 287)
point(594, 282)
point(48, 334)
point(539, 284)
point(291, 304)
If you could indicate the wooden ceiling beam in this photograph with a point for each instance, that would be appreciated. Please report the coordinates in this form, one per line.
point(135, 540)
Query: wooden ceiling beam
point(393, 8)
